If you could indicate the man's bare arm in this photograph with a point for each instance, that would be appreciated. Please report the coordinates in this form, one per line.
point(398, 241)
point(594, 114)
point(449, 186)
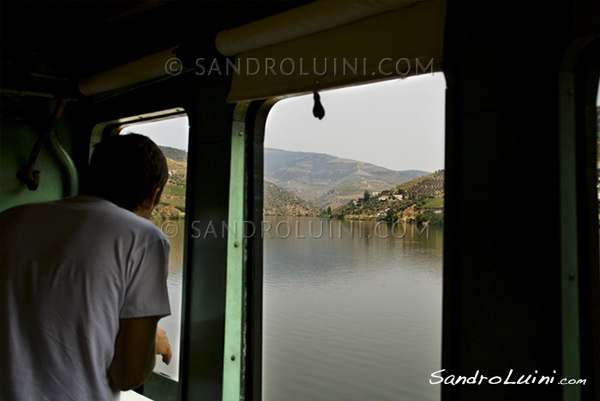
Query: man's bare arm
point(135, 352)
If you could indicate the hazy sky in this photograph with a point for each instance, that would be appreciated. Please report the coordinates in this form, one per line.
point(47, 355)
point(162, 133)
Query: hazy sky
point(398, 124)
point(172, 132)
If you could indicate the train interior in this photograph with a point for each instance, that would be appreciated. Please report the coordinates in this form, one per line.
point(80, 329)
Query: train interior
point(521, 284)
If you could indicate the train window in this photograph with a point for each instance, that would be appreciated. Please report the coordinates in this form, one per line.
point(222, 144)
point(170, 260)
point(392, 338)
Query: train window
point(171, 136)
point(352, 238)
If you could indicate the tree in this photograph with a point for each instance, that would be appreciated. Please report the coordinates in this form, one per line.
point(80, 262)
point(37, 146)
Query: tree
point(367, 195)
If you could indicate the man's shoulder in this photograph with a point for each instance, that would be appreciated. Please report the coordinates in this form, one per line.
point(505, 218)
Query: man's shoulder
point(97, 213)
point(106, 212)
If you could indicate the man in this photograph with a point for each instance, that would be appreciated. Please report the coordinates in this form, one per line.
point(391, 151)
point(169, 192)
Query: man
point(83, 282)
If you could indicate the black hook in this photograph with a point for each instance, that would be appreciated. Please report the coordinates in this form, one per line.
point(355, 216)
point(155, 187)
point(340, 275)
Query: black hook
point(318, 110)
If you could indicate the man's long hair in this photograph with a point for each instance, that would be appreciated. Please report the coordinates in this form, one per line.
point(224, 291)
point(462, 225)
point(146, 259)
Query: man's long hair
point(126, 170)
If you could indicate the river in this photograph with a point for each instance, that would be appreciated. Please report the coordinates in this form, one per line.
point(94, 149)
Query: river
point(352, 310)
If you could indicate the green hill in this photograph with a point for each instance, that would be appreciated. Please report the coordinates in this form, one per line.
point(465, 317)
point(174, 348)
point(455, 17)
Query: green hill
point(431, 185)
point(420, 200)
point(279, 202)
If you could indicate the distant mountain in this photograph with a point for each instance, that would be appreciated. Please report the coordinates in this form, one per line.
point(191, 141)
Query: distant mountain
point(296, 183)
point(325, 180)
point(174, 154)
point(279, 202)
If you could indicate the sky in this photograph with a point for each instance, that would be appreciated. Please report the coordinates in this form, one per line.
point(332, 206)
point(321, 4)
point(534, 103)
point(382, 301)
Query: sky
point(172, 132)
point(397, 124)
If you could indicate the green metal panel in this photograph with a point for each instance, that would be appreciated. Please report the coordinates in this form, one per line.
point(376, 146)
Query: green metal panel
point(568, 239)
point(161, 388)
point(233, 358)
point(205, 260)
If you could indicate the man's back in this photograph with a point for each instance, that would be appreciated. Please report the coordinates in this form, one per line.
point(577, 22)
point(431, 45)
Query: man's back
point(70, 270)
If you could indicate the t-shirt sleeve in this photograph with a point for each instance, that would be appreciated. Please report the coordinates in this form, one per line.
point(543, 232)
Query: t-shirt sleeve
point(146, 293)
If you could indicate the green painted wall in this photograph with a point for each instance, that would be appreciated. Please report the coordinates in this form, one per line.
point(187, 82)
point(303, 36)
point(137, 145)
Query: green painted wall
point(16, 142)
point(58, 177)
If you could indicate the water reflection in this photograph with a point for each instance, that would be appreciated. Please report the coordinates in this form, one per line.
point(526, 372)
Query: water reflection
point(171, 324)
point(352, 314)
point(349, 313)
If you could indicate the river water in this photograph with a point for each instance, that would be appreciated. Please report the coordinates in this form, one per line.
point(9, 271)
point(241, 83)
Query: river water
point(352, 311)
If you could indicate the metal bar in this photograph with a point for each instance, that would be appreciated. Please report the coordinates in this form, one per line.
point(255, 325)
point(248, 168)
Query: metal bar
point(28, 174)
point(27, 93)
point(71, 186)
point(568, 237)
point(256, 119)
point(233, 358)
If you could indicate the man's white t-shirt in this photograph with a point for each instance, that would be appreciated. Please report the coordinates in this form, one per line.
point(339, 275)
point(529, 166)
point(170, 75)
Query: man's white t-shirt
point(70, 270)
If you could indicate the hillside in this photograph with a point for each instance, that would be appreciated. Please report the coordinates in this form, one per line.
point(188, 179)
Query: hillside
point(325, 180)
point(419, 200)
point(279, 202)
point(177, 155)
point(429, 186)
point(172, 201)
point(334, 182)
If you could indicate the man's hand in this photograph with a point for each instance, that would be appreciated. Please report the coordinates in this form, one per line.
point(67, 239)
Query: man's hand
point(162, 345)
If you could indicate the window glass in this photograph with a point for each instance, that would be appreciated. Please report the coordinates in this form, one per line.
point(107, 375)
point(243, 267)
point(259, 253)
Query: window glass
point(172, 137)
point(353, 243)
